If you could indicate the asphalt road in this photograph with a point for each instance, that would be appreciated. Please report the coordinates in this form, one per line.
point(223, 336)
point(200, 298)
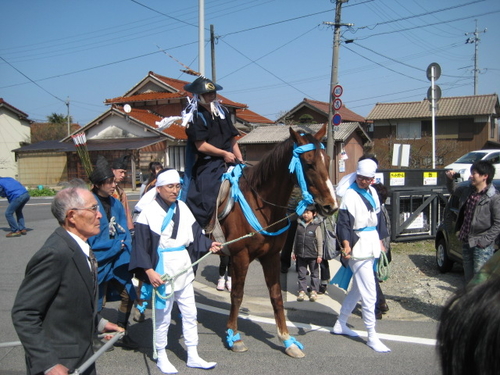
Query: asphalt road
point(412, 343)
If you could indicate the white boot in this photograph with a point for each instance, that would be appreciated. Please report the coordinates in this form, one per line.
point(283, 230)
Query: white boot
point(164, 364)
point(194, 360)
point(341, 328)
point(375, 343)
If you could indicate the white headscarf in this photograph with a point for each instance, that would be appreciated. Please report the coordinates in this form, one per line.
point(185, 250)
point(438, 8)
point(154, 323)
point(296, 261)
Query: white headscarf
point(367, 168)
point(170, 176)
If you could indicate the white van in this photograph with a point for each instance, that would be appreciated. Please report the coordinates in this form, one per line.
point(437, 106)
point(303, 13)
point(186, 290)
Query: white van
point(463, 164)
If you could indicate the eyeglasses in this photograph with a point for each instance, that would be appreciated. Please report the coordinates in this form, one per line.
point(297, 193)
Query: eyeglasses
point(363, 178)
point(172, 187)
point(94, 208)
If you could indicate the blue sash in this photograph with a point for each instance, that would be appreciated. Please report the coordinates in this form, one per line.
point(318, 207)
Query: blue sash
point(364, 193)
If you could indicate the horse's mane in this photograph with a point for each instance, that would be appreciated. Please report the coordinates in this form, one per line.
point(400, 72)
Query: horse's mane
point(271, 163)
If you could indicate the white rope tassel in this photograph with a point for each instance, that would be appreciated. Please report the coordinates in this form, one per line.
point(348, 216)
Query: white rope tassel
point(187, 113)
point(216, 109)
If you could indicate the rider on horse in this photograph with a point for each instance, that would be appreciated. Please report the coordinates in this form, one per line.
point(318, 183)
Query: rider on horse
point(211, 131)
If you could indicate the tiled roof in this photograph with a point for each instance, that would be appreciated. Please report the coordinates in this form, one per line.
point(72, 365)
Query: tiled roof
point(347, 114)
point(176, 130)
point(92, 145)
point(458, 106)
point(179, 85)
point(142, 115)
point(13, 109)
point(322, 108)
point(148, 96)
point(278, 133)
point(249, 116)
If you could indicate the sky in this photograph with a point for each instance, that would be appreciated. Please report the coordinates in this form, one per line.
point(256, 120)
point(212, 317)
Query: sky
point(270, 54)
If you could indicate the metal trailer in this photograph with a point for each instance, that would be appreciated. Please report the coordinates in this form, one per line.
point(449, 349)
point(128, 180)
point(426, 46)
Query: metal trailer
point(415, 203)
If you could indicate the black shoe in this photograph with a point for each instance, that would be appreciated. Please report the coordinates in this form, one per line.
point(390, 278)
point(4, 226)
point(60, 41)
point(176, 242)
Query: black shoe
point(127, 343)
point(98, 344)
point(322, 289)
point(378, 315)
point(383, 307)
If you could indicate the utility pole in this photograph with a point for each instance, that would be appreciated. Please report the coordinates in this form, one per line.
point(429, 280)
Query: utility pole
point(330, 142)
point(212, 47)
point(475, 39)
point(67, 116)
point(201, 37)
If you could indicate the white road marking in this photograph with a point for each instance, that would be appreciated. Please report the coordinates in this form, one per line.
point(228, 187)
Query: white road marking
point(313, 327)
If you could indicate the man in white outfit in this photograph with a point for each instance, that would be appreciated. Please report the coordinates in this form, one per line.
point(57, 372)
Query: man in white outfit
point(164, 232)
point(360, 229)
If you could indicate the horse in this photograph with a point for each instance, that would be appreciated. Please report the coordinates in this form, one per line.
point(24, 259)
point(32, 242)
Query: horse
point(267, 188)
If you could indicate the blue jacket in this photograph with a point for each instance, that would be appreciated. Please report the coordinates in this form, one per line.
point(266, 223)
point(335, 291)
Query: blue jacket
point(113, 252)
point(11, 188)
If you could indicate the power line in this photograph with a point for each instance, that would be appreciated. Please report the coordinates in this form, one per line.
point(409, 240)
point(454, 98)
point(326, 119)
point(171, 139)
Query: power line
point(431, 24)
point(28, 78)
point(419, 15)
point(266, 70)
point(383, 66)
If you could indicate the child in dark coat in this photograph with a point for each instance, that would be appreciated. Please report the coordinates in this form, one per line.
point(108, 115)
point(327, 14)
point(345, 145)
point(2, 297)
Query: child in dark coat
point(308, 252)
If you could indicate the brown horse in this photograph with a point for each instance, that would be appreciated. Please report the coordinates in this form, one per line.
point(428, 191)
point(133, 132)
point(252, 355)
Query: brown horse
point(267, 188)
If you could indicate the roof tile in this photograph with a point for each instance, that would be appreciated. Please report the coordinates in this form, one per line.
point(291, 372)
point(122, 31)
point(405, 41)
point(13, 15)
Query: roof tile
point(475, 105)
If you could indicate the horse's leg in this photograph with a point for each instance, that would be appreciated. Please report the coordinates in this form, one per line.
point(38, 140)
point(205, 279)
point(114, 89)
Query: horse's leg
point(239, 269)
point(271, 267)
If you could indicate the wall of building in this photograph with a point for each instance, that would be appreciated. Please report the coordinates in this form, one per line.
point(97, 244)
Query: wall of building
point(47, 169)
point(13, 132)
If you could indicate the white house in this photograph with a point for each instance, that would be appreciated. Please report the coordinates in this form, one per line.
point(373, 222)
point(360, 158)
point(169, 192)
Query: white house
point(14, 132)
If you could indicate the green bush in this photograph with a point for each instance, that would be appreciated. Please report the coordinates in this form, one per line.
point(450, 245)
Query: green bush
point(45, 192)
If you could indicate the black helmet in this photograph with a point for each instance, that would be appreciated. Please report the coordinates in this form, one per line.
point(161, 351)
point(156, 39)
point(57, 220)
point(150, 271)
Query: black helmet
point(202, 85)
point(101, 172)
point(120, 163)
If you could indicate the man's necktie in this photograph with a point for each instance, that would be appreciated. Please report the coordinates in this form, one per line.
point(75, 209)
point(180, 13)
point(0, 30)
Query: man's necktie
point(93, 268)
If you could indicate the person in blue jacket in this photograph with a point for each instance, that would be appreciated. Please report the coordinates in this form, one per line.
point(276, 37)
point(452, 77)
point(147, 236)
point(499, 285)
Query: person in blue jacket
point(18, 196)
point(112, 246)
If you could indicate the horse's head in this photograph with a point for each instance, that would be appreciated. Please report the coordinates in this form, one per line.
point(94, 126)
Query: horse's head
point(315, 164)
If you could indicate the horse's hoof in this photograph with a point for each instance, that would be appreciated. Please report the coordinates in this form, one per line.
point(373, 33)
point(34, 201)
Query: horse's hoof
point(294, 351)
point(239, 347)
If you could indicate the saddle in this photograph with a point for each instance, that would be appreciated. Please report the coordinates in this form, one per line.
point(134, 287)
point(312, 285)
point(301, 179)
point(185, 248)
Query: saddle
point(223, 205)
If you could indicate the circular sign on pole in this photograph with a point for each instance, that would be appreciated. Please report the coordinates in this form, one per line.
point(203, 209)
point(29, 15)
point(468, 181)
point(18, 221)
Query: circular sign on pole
point(437, 71)
point(337, 104)
point(337, 91)
point(337, 119)
point(437, 93)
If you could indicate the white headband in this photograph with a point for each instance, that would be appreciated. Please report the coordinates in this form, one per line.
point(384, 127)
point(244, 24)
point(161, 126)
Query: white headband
point(366, 168)
point(170, 176)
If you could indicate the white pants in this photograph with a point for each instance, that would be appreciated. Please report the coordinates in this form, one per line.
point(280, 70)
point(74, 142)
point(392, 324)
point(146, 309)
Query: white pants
point(363, 287)
point(185, 301)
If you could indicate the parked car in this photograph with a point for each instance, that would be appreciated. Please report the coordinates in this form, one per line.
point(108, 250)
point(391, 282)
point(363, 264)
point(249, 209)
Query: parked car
point(462, 165)
point(448, 246)
point(138, 178)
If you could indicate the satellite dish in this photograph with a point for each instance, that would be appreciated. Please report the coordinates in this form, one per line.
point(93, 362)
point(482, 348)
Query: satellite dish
point(127, 108)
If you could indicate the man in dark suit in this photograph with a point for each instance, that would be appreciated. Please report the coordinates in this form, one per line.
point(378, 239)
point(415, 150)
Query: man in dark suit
point(54, 313)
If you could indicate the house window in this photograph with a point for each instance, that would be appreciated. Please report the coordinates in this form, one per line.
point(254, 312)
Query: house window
point(176, 157)
point(493, 126)
point(409, 130)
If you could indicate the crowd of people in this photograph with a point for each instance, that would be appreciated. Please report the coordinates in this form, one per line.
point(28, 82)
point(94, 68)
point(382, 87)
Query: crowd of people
point(100, 247)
